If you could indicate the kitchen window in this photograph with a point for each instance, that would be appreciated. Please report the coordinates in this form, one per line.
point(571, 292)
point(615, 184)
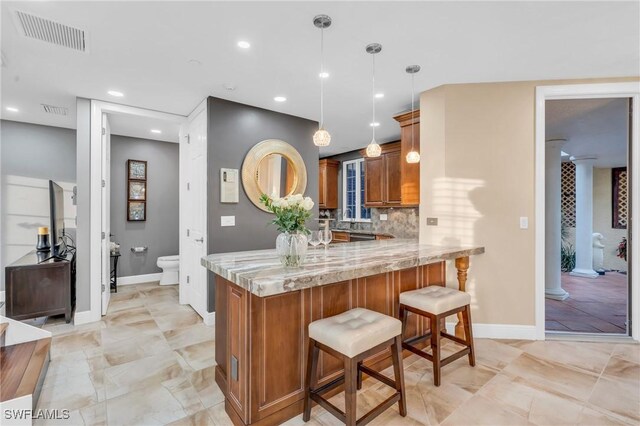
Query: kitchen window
point(353, 208)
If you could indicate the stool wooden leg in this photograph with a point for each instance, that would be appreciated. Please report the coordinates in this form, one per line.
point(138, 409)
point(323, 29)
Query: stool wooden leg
point(403, 319)
point(396, 356)
point(466, 316)
point(435, 348)
point(311, 378)
point(359, 376)
point(350, 389)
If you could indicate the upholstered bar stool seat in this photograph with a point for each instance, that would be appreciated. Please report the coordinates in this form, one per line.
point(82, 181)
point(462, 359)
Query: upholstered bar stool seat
point(437, 303)
point(355, 331)
point(435, 299)
point(352, 337)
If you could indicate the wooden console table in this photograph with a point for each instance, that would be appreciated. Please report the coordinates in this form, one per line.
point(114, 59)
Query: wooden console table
point(36, 288)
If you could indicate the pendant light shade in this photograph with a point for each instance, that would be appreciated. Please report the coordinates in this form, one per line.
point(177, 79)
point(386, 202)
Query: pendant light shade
point(322, 137)
point(373, 149)
point(413, 156)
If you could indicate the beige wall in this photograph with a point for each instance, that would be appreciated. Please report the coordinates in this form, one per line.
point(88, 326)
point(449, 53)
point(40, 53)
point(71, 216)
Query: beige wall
point(602, 220)
point(467, 133)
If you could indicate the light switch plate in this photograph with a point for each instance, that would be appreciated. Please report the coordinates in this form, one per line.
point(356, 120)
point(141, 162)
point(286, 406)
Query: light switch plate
point(227, 221)
point(524, 222)
point(383, 216)
point(432, 221)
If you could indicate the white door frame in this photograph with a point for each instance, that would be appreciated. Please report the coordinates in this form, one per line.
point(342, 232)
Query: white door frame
point(97, 109)
point(586, 91)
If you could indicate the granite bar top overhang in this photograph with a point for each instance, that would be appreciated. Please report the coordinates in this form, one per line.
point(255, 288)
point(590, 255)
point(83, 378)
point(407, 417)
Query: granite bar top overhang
point(261, 273)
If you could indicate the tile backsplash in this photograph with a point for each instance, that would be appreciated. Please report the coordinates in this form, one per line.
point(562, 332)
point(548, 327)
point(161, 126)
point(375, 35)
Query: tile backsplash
point(401, 222)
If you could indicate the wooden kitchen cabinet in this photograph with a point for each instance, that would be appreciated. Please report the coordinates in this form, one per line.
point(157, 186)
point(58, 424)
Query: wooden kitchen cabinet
point(409, 173)
point(328, 184)
point(382, 185)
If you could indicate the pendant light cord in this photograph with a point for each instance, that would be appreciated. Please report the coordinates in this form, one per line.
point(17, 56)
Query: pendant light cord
point(412, 109)
point(321, 78)
point(373, 95)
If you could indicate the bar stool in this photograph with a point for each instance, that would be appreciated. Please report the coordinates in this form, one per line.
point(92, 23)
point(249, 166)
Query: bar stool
point(437, 303)
point(352, 337)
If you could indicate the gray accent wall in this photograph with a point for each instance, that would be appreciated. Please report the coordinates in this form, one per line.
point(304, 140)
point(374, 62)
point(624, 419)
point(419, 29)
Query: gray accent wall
point(160, 231)
point(232, 130)
point(38, 152)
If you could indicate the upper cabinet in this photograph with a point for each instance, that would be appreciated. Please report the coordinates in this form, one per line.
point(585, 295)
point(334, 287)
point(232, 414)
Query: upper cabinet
point(382, 177)
point(389, 180)
point(409, 173)
point(328, 181)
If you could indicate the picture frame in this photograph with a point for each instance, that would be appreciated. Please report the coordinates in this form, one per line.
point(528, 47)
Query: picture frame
point(136, 211)
point(137, 190)
point(137, 169)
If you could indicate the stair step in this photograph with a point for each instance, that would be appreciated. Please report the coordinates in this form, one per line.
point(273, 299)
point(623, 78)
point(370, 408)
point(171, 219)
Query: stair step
point(23, 368)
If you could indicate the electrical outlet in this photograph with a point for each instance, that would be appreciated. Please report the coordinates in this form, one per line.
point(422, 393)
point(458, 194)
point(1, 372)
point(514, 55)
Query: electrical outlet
point(227, 221)
point(432, 221)
point(524, 222)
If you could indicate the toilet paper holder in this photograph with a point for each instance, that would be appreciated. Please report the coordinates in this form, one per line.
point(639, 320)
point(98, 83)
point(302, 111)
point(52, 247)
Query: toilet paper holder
point(139, 249)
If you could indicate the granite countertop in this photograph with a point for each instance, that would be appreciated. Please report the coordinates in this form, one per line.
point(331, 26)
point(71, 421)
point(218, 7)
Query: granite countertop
point(261, 273)
point(365, 232)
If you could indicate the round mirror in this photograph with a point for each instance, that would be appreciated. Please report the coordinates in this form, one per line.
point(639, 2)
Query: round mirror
point(273, 167)
point(275, 175)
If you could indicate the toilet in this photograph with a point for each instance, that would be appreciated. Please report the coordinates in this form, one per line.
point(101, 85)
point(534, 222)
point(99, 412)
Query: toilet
point(170, 266)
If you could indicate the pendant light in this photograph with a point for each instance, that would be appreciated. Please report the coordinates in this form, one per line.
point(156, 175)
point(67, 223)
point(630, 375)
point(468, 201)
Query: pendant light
point(413, 156)
point(321, 137)
point(373, 149)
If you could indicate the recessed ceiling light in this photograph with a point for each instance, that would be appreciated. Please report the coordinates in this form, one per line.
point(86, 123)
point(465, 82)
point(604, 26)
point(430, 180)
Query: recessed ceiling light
point(12, 109)
point(115, 93)
point(156, 131)
point(374, 124)
point(279, 99)
point(323, 75)
point(379, 95)
point(244, 44)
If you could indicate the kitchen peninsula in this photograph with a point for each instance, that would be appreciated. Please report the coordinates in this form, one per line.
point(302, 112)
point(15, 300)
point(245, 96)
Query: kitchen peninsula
point(263, 310)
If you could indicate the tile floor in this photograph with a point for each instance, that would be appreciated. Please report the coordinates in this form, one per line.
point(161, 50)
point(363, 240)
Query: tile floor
point(150, 361)
point(595, 305)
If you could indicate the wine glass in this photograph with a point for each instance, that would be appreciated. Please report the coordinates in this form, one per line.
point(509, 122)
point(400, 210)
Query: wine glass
point(315, 239)
point(325, 239)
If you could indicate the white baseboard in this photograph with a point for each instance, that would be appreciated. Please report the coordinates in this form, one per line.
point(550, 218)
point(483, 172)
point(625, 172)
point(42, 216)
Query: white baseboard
point(83, 317)
point(210, 319)
point(500, 331)
point(139, 279)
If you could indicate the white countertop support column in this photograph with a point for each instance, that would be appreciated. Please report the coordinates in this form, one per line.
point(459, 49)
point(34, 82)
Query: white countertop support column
point(584, 217)
point(553, 216)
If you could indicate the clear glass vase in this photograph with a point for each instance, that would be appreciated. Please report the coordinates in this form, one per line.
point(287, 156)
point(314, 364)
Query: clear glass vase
point(291, 249)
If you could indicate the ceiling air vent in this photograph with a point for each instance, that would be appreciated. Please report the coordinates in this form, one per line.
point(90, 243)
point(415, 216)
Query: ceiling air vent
point(51, 31)
point(57, 110)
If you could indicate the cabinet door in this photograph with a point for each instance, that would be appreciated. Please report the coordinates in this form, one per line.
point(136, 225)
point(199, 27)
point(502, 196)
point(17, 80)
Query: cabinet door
point(322, 181)
point(393, 193)
point(374, 193)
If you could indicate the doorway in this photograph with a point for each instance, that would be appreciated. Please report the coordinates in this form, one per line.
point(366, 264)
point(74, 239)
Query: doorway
point(586, 152)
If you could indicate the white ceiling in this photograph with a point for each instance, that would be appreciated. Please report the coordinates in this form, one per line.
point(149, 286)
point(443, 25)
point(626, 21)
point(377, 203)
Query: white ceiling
point(143, 49)
point(592, 127)
point(140, 127)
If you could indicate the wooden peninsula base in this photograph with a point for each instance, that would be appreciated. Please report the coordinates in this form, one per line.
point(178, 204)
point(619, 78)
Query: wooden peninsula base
point(261, 342)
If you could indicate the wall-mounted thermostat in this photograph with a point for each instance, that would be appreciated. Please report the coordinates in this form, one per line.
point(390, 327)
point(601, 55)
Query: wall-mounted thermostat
point(228, 185)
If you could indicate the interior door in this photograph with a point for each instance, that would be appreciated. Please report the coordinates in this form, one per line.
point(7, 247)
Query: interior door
point(106, 214)
point(196, 241)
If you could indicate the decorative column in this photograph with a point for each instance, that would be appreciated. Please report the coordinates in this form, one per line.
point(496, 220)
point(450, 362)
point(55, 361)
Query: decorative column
point(584, 217)
point(553, 216)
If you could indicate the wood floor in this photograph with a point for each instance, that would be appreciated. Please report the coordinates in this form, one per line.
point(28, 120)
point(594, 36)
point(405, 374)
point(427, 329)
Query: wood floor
point(595, 305)
point(150, 361)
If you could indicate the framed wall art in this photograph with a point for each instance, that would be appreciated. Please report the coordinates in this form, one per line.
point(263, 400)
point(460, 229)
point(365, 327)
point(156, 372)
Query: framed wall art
point(137, 190)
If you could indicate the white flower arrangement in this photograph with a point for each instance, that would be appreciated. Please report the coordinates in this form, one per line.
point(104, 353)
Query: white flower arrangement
point(291, 211)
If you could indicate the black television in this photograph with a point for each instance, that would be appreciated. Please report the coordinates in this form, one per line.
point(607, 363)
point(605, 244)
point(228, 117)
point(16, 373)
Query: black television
point(56, 205)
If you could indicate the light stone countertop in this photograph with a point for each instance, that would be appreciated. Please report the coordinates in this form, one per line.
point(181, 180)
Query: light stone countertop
point(260, 271)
